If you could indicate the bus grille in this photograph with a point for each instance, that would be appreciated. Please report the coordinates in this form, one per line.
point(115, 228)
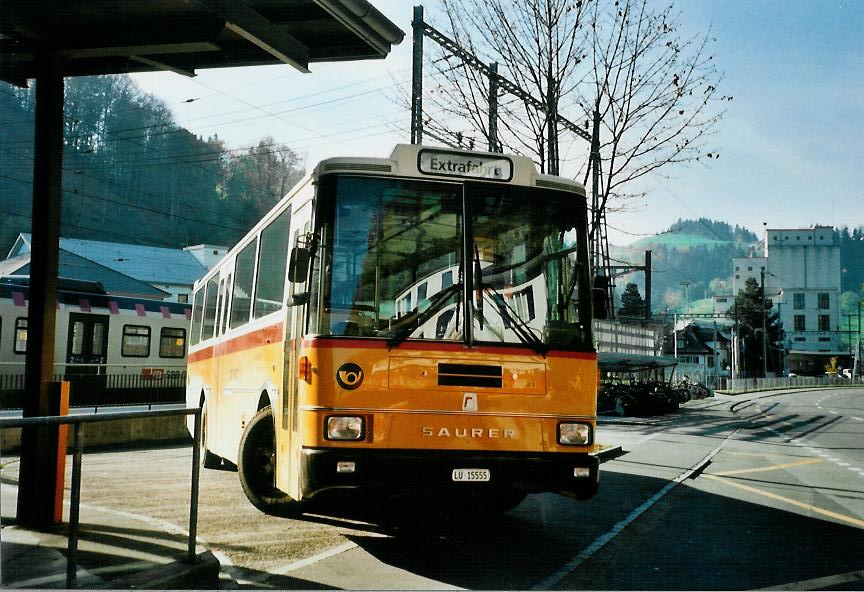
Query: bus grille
point(476, 375)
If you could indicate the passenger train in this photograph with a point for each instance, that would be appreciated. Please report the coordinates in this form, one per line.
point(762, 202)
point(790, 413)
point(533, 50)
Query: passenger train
point(131, 342)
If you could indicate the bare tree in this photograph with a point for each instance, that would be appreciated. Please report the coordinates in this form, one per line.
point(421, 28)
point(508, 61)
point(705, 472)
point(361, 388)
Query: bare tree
point(656, 91)
point(537, 44)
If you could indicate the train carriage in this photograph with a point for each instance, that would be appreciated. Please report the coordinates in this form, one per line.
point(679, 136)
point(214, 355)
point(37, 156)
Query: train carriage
point(102, 342)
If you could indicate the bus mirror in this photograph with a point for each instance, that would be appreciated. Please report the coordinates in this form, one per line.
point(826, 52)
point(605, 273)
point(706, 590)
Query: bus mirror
point(298, 266)
point(298, 299)
point(600, 297)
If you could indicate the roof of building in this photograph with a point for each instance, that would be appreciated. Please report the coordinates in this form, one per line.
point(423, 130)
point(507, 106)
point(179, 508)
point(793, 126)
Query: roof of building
point(153, 265)
point(76, 267)
point(122, 36)
point(624, 362)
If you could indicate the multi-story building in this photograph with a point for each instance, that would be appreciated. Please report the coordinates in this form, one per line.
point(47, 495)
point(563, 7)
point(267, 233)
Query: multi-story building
point(802, 276)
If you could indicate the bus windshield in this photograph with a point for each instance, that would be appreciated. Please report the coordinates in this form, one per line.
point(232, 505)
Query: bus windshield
point(394, 262)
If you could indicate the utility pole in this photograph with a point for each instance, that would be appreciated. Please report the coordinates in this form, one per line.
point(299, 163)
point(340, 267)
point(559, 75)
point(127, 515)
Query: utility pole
point(764, 332)
point(675, 335)
point(648, 286)
point(417, 78)
point(493, 107)
point(686, 295)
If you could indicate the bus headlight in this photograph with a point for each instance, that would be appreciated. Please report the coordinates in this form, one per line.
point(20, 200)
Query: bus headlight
point(344, 427)
point(574, 434)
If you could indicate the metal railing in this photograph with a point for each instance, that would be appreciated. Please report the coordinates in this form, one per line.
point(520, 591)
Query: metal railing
point(89, 390)
point(75, 496)
point(743, 385)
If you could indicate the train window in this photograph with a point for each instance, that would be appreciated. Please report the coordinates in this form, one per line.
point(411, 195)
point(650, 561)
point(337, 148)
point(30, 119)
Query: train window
point(272, 258)
point(197, 316)
point(21, 335)
point(136, 341)
point(77, 338)
point(209, 310)
point(244, 270)
point(172, 343)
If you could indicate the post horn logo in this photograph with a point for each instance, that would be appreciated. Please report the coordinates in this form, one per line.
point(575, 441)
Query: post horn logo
point(349, 376)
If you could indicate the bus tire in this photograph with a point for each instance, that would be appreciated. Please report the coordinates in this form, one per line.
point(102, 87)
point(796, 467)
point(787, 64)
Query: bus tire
point(207, 458)
point(257, 466)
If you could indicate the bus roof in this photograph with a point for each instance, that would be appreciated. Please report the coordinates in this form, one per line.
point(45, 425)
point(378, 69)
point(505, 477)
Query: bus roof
point(429, 162)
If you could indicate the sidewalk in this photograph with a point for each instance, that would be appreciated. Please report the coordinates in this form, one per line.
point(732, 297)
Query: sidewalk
point(116, 550)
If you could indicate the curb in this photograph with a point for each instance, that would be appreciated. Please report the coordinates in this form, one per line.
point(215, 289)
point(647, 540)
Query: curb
point(178, 575)
point(608, 453)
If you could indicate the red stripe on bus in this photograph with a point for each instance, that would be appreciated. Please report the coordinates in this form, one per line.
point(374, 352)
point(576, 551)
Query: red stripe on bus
point(201, 354)
point(330, 343)
point(257, 338)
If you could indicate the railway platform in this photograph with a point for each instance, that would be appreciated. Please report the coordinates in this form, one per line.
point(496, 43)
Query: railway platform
point(116, 550)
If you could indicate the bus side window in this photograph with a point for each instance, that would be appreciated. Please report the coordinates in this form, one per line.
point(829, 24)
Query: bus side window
point(244, 272)
point(222, 324)
point(197, 316)
point(272, 261)
point(209, 325)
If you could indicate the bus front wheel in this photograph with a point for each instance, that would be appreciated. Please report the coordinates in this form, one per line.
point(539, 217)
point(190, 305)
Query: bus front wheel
point(257, 466)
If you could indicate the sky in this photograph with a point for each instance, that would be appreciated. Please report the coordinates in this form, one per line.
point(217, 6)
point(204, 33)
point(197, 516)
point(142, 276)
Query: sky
point(791, 143)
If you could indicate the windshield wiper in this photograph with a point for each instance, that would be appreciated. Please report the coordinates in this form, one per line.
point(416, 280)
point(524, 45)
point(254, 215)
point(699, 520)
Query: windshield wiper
point(519, 327)
point(407, 325)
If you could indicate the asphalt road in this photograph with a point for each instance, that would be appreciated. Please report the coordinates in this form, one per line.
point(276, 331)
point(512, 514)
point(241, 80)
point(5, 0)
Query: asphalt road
point(766, 494)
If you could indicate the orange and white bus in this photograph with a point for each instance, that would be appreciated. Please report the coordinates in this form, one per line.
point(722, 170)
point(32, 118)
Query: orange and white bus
point(420, 323)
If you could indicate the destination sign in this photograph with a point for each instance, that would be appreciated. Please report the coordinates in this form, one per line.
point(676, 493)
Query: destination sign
point(459, 164)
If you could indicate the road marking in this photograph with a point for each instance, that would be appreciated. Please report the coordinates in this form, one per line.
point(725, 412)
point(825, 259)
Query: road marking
point(332, 552)
point(646, 438)
point(598, 543)
point(822, 583)
point(812, 508)
point(857, 418)
point(808, 461)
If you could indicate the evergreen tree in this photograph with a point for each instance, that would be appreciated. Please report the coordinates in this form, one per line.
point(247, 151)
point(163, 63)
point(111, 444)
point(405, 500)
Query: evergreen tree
point(750, 306)
point(632, 303)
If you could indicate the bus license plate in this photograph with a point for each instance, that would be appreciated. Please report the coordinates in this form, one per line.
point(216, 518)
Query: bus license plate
point(471, 475)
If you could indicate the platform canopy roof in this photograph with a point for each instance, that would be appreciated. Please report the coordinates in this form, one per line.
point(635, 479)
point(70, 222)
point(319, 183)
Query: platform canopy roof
point(624, 362)
point(122, 36)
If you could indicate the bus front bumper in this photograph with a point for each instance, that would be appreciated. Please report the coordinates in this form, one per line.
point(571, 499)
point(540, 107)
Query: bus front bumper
point(404, 471)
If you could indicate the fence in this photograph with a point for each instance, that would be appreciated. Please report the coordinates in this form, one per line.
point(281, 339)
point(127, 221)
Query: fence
point(743, 385)
point(90, 390)
point(77, 452)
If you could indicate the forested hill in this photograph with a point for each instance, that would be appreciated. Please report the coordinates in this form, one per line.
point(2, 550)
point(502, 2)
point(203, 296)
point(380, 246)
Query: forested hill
point(132, 174)
point(692, 261)
point(686, 234)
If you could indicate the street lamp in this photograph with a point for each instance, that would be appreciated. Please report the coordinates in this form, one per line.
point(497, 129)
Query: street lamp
point(764, 332)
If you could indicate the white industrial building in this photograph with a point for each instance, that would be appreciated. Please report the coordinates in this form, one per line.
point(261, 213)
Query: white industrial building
point(802, 276)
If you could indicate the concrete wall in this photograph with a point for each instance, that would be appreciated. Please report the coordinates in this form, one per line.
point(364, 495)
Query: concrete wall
point(148, 429)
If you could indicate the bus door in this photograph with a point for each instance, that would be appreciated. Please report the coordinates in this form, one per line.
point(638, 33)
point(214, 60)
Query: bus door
point(219, 412)
point(86, 355)
point(287, 425)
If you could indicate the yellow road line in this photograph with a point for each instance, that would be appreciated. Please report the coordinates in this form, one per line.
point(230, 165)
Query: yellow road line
point(808, 461)
point(812, 508)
